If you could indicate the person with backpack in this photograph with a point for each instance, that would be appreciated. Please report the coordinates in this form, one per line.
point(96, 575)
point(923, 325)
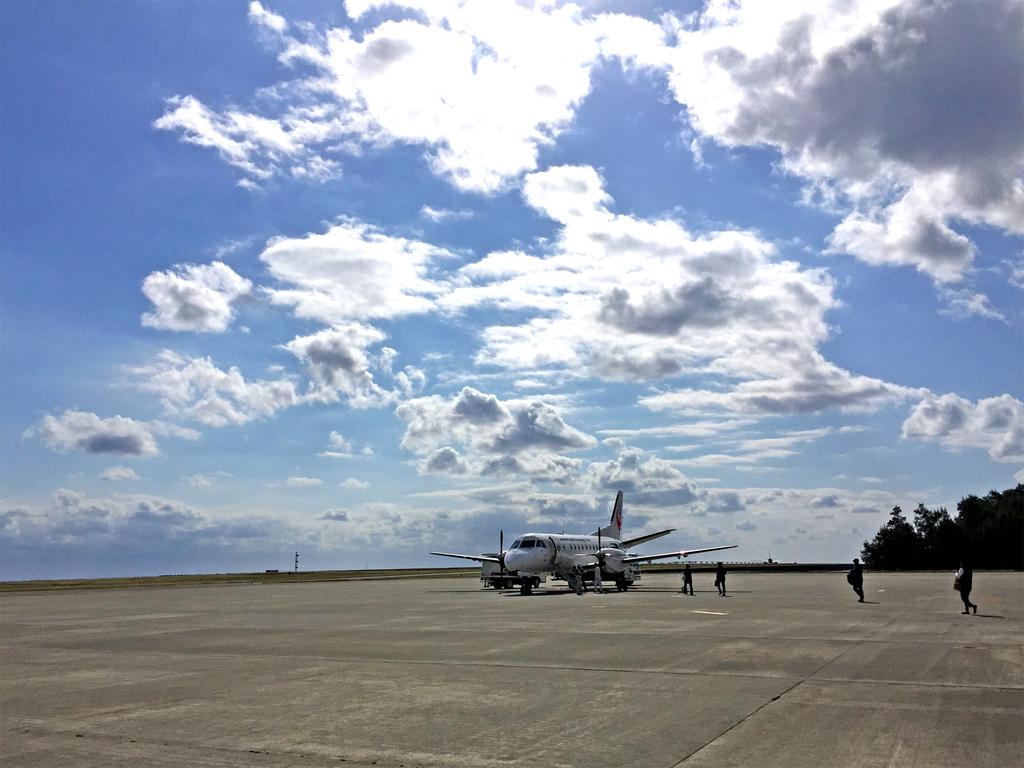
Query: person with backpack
point(855, 578)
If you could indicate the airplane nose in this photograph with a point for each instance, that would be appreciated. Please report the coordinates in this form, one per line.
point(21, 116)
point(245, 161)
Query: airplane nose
point(512, 561)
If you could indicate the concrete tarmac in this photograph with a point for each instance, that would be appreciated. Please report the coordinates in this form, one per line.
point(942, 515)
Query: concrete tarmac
point(788, 670)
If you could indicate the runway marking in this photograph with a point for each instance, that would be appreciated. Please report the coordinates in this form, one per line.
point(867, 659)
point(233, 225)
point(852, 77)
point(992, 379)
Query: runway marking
point(711, 613)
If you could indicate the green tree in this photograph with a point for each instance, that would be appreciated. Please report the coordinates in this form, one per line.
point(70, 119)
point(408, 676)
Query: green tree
point(992, 529)
point(895, 546)
point(938, 544)
point(988, 532)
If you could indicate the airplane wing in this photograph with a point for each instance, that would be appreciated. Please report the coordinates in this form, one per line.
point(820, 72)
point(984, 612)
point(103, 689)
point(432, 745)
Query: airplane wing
point(647, 537)
point(680, 553)
point(478, 558)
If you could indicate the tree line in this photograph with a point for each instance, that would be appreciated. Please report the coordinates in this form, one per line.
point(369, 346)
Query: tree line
point(987, 532)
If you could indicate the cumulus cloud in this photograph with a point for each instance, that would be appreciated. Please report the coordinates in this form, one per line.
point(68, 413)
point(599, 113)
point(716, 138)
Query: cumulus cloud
point(354, 484)
point(193, 297)
point(513, 437)
point(353, 272)
point(336, 359)
point(826, 502)
point(196, 388)
point(444, 461)
point(632, 299)
point(633, 470)
point(84, 431)
point(480, 85)
point(995, 424)
point(118, 473)
point(338, 447)
point(905, 116)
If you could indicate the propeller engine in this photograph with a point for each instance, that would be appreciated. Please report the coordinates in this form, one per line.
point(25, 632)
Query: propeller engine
point(609, 558)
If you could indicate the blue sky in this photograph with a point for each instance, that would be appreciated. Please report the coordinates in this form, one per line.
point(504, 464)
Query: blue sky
point(363, 280)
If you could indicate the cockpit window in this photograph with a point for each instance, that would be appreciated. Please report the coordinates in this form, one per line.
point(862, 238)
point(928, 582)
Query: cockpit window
point(517, 543)
point(528, 544)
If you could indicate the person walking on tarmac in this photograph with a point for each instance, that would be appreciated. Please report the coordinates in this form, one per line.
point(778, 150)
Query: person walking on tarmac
point(598, 584)
point(687, 579)
point(855, 578)
point(720, 578)
point(963, 581)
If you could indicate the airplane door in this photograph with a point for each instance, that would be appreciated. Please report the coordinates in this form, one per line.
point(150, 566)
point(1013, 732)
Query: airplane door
point(552, 552)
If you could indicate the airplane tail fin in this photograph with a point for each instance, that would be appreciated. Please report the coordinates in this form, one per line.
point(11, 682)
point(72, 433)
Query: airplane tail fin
point(614, 529)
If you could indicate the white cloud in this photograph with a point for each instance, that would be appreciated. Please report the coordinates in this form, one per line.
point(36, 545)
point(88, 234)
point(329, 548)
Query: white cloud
point(444, 461)
point(354, 484)
point(201, 480)
point(83, 431)
point(904, 115)
point(709, 428)
point(272, 21)
point(337, 362)
point(995, 424)
point(1016, 274)
point(298, 481)
point(512, 437)
point(197, 389)
point(481, 85)
point(624, 298)
point(118, 474)
point(338, 447)
point(194, 297)
point(963, 303)
point(633, 471)
point(336, 359)
point(819, 386)
point(352, 271)
point(438, 215)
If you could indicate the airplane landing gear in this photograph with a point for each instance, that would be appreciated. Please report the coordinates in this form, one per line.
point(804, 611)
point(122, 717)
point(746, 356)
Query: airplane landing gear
point(526, 588)
point(621, 585)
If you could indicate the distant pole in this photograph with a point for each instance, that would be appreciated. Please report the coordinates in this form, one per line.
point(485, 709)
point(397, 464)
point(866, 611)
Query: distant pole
point(296, 562)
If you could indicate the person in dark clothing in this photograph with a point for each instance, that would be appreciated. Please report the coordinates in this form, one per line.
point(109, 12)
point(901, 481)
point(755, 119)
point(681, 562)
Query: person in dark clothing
point(856, 579)
point(687, 579)
point(965, 580)
point(720, 579)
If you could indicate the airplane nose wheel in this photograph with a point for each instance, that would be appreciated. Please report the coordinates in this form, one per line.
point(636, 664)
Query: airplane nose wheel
point(526, 588)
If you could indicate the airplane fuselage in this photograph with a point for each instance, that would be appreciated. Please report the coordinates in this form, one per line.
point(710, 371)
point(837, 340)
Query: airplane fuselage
point(560, 553)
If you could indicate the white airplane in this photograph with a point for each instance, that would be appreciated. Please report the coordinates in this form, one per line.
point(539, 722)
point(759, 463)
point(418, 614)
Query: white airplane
point(566, 556)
